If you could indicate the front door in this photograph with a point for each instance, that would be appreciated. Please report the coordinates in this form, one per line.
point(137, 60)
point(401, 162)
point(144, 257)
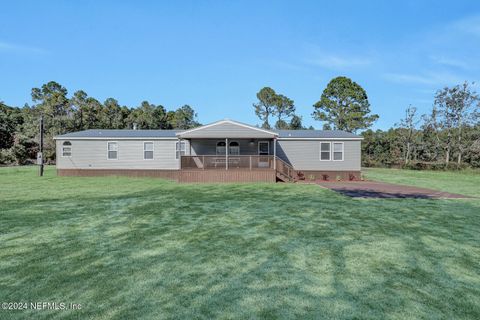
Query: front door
point(263, 150)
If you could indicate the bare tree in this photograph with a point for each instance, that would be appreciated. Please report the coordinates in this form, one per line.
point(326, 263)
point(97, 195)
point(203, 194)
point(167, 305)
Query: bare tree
point(407, 131)
point(431, 136)
point(458, 107)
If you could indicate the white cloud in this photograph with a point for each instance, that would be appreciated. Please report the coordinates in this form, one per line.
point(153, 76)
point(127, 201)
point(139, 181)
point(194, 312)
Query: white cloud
point(431, 78)
point(10, 47)
point(317, 56)
point(449, 62)
point(338, 62)
point(469, 25)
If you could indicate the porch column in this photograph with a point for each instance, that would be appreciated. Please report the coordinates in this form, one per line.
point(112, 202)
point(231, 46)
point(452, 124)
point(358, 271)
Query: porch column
point(226, 153)
point(274, 153)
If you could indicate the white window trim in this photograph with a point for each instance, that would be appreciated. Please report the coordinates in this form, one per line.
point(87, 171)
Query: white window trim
point(216, 146)
point(179, 142)
point(108, 142)
point(258, 146)
point(153, 149)
point(320, 151)
point(71, 149)
point(343, 151)
point(229, 142)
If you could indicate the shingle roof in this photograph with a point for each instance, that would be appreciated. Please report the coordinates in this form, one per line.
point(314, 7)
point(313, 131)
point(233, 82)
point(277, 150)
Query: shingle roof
point(108, 133)
point(324, 134)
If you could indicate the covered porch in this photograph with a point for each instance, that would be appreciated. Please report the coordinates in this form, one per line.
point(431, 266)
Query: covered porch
point(228, 151)
point(229, 154)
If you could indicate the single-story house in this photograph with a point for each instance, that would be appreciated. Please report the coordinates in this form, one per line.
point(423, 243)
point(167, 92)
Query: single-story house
point(223, 151)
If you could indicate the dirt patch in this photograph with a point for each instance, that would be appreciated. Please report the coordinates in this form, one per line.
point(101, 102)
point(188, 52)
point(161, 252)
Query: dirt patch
point(374, 189)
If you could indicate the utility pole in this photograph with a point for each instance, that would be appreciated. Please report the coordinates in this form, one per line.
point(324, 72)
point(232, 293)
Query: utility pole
point(40, 154)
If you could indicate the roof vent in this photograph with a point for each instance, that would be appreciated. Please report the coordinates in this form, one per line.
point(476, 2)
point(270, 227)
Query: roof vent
point(289, 134)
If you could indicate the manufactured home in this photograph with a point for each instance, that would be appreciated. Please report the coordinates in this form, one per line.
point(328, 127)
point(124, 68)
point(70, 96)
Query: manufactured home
point(223, 151)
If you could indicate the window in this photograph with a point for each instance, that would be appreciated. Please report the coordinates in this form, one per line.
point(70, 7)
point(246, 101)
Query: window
point(263, 148)
point(67, 149)
point(112, 150)
point(234, 148)
point(338, 151)
point(221, 148)
point(180, 148)
point(148, 150)
point(325, 151)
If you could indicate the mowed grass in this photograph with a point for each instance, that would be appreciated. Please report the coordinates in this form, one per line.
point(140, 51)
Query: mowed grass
point(465, 182)
point(145, 248)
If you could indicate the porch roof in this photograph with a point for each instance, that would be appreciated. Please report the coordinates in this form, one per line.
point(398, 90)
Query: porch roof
point(227, 129)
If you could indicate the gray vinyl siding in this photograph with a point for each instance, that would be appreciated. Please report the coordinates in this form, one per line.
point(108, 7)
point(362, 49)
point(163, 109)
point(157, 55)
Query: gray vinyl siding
point(209, 147)
point(227, 130)
point(92, 154)
point(305, 155)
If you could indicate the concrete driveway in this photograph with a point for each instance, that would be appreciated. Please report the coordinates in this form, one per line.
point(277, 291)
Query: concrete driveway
point(374, 189)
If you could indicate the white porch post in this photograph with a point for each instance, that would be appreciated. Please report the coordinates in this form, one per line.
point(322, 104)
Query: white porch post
point(274, 153)
point(226, 153)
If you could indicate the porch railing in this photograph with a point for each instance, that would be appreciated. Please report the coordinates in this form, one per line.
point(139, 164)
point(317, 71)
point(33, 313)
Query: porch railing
point(285, 170)
point(231, 162)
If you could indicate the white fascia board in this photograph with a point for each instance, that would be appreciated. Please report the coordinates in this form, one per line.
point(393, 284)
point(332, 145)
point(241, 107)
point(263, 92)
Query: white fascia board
point(328, 139)
point(115, 138)
point(227, 121)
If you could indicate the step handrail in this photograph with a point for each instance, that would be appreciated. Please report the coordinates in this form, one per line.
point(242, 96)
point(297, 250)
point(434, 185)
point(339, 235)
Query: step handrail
point(291, 172)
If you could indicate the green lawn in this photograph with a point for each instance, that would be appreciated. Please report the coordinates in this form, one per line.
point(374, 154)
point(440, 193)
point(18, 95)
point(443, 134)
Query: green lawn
point(145, 248)
point(463, 182)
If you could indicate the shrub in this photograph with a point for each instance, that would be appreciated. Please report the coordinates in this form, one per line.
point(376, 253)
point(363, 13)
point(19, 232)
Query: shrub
point(7, 157)
point(422, 165)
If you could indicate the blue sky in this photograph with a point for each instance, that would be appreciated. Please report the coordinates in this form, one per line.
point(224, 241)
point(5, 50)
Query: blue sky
point(215, 55)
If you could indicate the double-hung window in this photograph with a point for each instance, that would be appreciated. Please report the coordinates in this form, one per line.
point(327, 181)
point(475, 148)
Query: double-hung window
point(338, 151)
point(220, 149)
point(325, 151)
point(148, 150)
point(180, 149)
point(234, 148)
point(112, 148)
point(67, 149)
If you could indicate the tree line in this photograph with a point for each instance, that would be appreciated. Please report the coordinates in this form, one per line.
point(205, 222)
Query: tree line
point(19, 127)
point(447, 137)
